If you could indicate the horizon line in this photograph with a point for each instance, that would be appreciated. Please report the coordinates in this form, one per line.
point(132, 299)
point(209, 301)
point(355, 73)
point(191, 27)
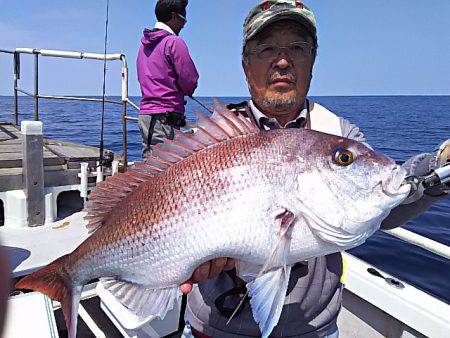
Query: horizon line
point(247, 96)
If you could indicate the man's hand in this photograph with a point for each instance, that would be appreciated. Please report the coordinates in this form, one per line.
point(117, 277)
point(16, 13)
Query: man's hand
point(421, 165)
point(443, 155)
point(206, 271)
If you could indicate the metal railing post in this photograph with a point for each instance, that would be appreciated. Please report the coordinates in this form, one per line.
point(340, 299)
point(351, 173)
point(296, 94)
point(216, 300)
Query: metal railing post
point(124, 109)
point(16, 79)
point(36, 87)
point(124, 134)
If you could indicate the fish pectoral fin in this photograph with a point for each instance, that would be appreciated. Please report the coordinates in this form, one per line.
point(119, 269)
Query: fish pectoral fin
point(268, 289)
point(247, 271)
point(267, 293)
point(283, 221)
point(140, 300)
point(269, 286)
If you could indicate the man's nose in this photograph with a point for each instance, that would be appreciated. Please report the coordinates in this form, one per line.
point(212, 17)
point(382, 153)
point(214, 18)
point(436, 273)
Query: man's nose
point(283, 60)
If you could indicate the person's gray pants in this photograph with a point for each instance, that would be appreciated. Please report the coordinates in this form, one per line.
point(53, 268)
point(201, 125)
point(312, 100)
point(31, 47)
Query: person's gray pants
point(333, 332)
point(154, 130)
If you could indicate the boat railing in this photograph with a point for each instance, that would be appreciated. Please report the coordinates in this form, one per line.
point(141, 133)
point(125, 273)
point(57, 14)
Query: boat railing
point(124, 102)
point(420, 241)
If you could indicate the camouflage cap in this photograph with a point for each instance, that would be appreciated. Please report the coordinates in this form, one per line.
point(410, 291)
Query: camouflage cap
point(271, 11)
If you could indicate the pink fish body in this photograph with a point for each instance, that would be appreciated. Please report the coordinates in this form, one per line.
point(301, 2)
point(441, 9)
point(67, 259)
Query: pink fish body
point(267, 199)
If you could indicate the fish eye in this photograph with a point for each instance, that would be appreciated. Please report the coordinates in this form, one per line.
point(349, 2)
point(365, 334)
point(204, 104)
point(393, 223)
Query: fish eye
point(343, 157)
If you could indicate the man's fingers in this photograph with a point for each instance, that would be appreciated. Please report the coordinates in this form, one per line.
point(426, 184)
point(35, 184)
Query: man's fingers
point(444, 153)
point(217, 266)
point(208, 270)
point(202, 272)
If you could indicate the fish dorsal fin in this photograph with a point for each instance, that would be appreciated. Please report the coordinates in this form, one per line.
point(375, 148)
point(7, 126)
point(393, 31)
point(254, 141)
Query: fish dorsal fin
point(110, 193)
point(222, 125)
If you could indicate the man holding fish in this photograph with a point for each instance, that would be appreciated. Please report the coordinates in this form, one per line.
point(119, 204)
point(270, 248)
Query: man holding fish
point(280, 46)
point(281, 186)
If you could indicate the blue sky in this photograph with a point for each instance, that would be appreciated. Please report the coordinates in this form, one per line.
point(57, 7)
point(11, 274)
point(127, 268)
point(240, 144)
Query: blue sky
point(380, 47)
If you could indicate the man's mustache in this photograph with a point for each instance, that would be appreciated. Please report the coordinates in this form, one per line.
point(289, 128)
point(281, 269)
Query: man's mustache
point(282, 77)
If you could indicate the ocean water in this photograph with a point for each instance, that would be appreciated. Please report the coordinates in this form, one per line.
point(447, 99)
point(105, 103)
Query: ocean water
point(398, 126)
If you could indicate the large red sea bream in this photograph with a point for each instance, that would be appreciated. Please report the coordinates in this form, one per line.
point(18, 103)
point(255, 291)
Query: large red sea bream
point(268, 199)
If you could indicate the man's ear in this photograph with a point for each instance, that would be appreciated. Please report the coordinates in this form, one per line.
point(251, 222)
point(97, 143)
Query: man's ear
point(245, 66)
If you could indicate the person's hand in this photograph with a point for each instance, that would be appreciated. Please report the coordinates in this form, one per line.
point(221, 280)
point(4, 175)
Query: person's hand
point(443, 155)
point(442, 159)
point(206, 271)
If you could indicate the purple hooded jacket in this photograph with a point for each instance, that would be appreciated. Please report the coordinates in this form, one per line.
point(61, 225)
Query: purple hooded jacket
point(166, 72)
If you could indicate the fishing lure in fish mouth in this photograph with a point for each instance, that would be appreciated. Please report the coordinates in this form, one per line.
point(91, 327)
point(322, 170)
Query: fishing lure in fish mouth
point(267, 199)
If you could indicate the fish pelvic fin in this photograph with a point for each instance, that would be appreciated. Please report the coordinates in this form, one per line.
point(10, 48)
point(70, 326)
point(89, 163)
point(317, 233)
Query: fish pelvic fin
point(221, 126)
point(142, 301)
point(54, 282)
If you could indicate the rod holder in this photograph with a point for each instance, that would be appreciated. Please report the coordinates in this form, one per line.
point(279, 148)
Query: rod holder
point(115, 168)
point(99, 172)
point(84, 180)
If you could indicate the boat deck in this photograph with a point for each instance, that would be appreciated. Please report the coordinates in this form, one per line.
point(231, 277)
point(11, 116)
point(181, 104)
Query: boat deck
point(61, 159)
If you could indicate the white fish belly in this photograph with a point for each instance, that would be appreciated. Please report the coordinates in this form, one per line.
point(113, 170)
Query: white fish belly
point(229, 228)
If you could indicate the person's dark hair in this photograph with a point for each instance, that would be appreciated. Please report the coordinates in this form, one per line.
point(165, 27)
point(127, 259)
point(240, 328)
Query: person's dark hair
point(165, 8)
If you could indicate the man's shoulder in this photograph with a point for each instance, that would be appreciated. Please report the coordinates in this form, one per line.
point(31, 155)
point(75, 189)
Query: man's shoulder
point(324, 120)
point(321, 111)
point(175, 40)
point(241, 108)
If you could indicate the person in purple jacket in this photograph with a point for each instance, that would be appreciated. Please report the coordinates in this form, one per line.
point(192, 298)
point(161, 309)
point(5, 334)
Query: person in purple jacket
point(166, 74)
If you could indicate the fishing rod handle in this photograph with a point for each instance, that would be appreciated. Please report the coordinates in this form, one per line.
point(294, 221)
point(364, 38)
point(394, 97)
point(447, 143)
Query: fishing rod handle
point(443, 173)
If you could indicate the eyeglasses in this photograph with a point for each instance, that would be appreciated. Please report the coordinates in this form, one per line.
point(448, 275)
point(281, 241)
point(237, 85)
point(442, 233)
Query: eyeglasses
point(296, 50)
point(182, 17)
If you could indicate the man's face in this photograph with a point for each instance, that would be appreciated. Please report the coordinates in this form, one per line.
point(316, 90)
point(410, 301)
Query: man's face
point(280, 84)
point(178, 22)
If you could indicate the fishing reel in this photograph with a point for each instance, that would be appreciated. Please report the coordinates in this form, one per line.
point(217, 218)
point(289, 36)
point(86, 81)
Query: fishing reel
point(108, 158)
point(436, 178)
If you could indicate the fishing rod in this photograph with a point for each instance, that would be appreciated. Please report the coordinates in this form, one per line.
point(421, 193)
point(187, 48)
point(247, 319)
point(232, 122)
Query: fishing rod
point(101, 158)
point(436, 178)
point(201, 104)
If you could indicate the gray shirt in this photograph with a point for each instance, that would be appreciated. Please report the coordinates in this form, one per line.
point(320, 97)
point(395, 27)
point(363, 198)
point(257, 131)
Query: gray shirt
point(311, 305)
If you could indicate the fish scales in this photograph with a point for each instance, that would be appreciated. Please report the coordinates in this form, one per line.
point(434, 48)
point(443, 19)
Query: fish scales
point(267, 199)
point(161, 214)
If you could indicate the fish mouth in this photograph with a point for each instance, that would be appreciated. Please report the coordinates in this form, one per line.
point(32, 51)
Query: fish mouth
point(396, 185)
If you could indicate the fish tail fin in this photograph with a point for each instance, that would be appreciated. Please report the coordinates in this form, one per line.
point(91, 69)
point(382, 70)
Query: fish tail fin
point(54, 282)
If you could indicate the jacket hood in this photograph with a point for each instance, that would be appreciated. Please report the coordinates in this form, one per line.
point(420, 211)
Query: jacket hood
point(153, 37)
